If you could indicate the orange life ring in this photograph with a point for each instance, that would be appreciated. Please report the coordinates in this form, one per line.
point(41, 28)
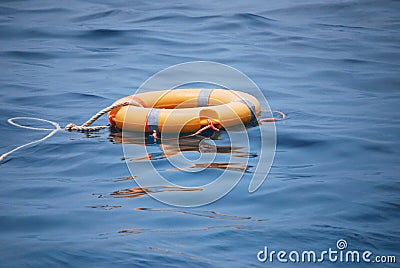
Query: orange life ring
point(184, 110)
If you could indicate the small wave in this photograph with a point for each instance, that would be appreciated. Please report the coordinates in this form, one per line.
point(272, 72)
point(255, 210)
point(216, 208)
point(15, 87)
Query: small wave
point(8, 10)
point(344, 27)
point(210, 214)
point(97, 15)
point(207, 228)
point(297, 141)
point(232, 166)
point(30, 55)
point(111, 33)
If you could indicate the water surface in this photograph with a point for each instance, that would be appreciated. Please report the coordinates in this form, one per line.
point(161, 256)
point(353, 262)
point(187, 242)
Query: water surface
point(333, 67)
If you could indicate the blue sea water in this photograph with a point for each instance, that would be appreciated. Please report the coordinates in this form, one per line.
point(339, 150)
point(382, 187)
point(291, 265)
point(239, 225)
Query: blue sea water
point(332, 66)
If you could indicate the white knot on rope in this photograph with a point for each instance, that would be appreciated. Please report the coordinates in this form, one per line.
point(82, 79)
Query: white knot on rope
point(86, 127)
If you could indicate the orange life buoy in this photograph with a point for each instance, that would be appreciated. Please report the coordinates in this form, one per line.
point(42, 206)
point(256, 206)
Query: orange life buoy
point(184, 110)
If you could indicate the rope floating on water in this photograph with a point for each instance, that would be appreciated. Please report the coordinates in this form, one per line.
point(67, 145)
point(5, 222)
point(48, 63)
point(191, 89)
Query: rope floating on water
point(273, 119)
point(86, 127)
point(53, 131)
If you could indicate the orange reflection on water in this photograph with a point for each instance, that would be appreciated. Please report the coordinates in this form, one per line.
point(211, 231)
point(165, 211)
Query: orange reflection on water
point(137, 192)
point(105, 207)
point(129, 178)
point(234, 166)
point(210, 214)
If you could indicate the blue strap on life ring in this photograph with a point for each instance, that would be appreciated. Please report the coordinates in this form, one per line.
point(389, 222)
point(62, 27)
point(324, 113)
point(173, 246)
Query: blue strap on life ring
point(152, 120)
point(204, 97)
point(251, 107)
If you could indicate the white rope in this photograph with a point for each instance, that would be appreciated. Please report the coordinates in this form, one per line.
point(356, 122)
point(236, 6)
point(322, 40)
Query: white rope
point(70, 127)
point(53, 131)
point(86, 127)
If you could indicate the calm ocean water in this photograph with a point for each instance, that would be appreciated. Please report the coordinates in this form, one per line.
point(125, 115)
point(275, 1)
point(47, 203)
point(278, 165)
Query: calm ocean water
point(332, 66)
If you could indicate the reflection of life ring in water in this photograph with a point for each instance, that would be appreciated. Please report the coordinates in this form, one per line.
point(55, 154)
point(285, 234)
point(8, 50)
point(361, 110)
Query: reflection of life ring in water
point(185, 110)
point(170, 148)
